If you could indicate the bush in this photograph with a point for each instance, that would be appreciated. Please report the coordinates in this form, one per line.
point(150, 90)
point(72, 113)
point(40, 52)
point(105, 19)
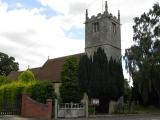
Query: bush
point(70, 90)
point(11, 93)
point(91, 110)
point(26, 76)
point(4, 80)
point(127, 91)
point(42, 90)
point(39, 90)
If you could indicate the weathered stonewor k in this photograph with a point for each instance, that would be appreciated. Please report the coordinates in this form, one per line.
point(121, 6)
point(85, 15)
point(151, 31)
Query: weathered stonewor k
point(103, 31)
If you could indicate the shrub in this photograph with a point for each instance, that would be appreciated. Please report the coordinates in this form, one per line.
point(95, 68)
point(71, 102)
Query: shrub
point(42, 90)
point(26, 76)
point(4, 80)
point(70, 90)
point(39, 90)
point(11, 93)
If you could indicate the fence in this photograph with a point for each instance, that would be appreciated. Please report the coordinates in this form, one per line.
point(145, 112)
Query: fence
point(10, 106)
point(9, 109)
point(71, 110)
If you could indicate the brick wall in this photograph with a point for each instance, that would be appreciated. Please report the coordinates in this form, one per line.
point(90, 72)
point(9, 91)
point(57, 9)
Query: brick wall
point(32, 108)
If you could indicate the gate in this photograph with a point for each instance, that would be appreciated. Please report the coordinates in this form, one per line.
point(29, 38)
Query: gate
point(10, 106)
point(71, 110)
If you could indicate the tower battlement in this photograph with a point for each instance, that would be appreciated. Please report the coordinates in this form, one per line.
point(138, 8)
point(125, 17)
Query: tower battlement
point(103, 16)
point(103, 30)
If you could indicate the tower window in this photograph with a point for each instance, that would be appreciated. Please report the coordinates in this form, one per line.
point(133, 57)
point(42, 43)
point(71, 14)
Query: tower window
point(95, 27)
point(114, 27)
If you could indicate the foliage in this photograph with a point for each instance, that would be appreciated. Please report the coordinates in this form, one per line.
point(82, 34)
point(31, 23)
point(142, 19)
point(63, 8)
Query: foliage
point(39, 90)
point(143, 58)
point(4, 80)
point(138, 109)
point(7, 64)
point(91, 110)
point(100, 78)
point(11, 93)
point(70, 90)
point(26, 76)
point(127, 91)
point(42, 90)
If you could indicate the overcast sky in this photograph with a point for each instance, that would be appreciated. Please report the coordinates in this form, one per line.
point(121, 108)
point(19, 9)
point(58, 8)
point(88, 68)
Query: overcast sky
point(32, 30)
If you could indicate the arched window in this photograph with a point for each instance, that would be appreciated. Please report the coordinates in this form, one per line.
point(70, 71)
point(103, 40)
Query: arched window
point(114, 28)
point(95, 26)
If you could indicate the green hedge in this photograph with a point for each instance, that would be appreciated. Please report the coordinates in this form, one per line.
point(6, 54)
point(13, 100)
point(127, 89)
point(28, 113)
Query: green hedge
point(26, 76)
point(4, 80)
point(39, 90)
point(42, 90)
point(11, 93)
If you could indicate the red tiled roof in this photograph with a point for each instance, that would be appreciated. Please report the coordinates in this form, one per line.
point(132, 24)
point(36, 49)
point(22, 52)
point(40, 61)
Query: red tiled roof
point(51, 69)
point(35, 70)
point(14, 74)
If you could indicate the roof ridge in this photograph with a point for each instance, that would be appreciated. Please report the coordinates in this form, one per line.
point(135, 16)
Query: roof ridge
point(34, 67)
point(64, 56)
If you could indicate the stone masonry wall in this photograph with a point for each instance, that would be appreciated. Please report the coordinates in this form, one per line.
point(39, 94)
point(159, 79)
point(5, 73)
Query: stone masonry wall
point(107, 37)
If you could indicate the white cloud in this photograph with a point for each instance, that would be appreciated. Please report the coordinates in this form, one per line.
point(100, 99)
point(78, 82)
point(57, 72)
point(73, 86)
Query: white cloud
point(30, 37)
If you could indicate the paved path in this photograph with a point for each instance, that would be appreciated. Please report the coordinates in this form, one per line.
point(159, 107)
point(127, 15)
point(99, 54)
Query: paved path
point(115, 117)
point(122, 117)
point(14, 117)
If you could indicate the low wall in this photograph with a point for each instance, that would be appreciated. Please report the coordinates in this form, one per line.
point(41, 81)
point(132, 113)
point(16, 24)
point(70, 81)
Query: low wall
point(32, 108)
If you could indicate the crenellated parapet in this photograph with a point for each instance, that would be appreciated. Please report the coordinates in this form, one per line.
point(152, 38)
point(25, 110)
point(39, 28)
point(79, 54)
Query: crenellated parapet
point(103, 30)
point(103, 15)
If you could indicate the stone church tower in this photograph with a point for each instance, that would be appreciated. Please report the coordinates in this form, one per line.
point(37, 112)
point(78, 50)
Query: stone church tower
point(103, 31)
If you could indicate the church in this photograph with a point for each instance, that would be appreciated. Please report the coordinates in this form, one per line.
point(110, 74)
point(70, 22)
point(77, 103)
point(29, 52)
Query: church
point(102, 30)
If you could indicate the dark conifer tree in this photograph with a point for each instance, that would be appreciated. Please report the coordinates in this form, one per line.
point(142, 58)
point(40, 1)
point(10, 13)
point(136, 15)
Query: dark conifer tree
point(101, 79)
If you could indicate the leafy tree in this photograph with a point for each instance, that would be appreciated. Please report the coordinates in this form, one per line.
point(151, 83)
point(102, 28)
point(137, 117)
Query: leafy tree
point(143, 58)
point(127, 91)
point(101, 79)
point(26, 77)
point(7, 64)
point(70, 90)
